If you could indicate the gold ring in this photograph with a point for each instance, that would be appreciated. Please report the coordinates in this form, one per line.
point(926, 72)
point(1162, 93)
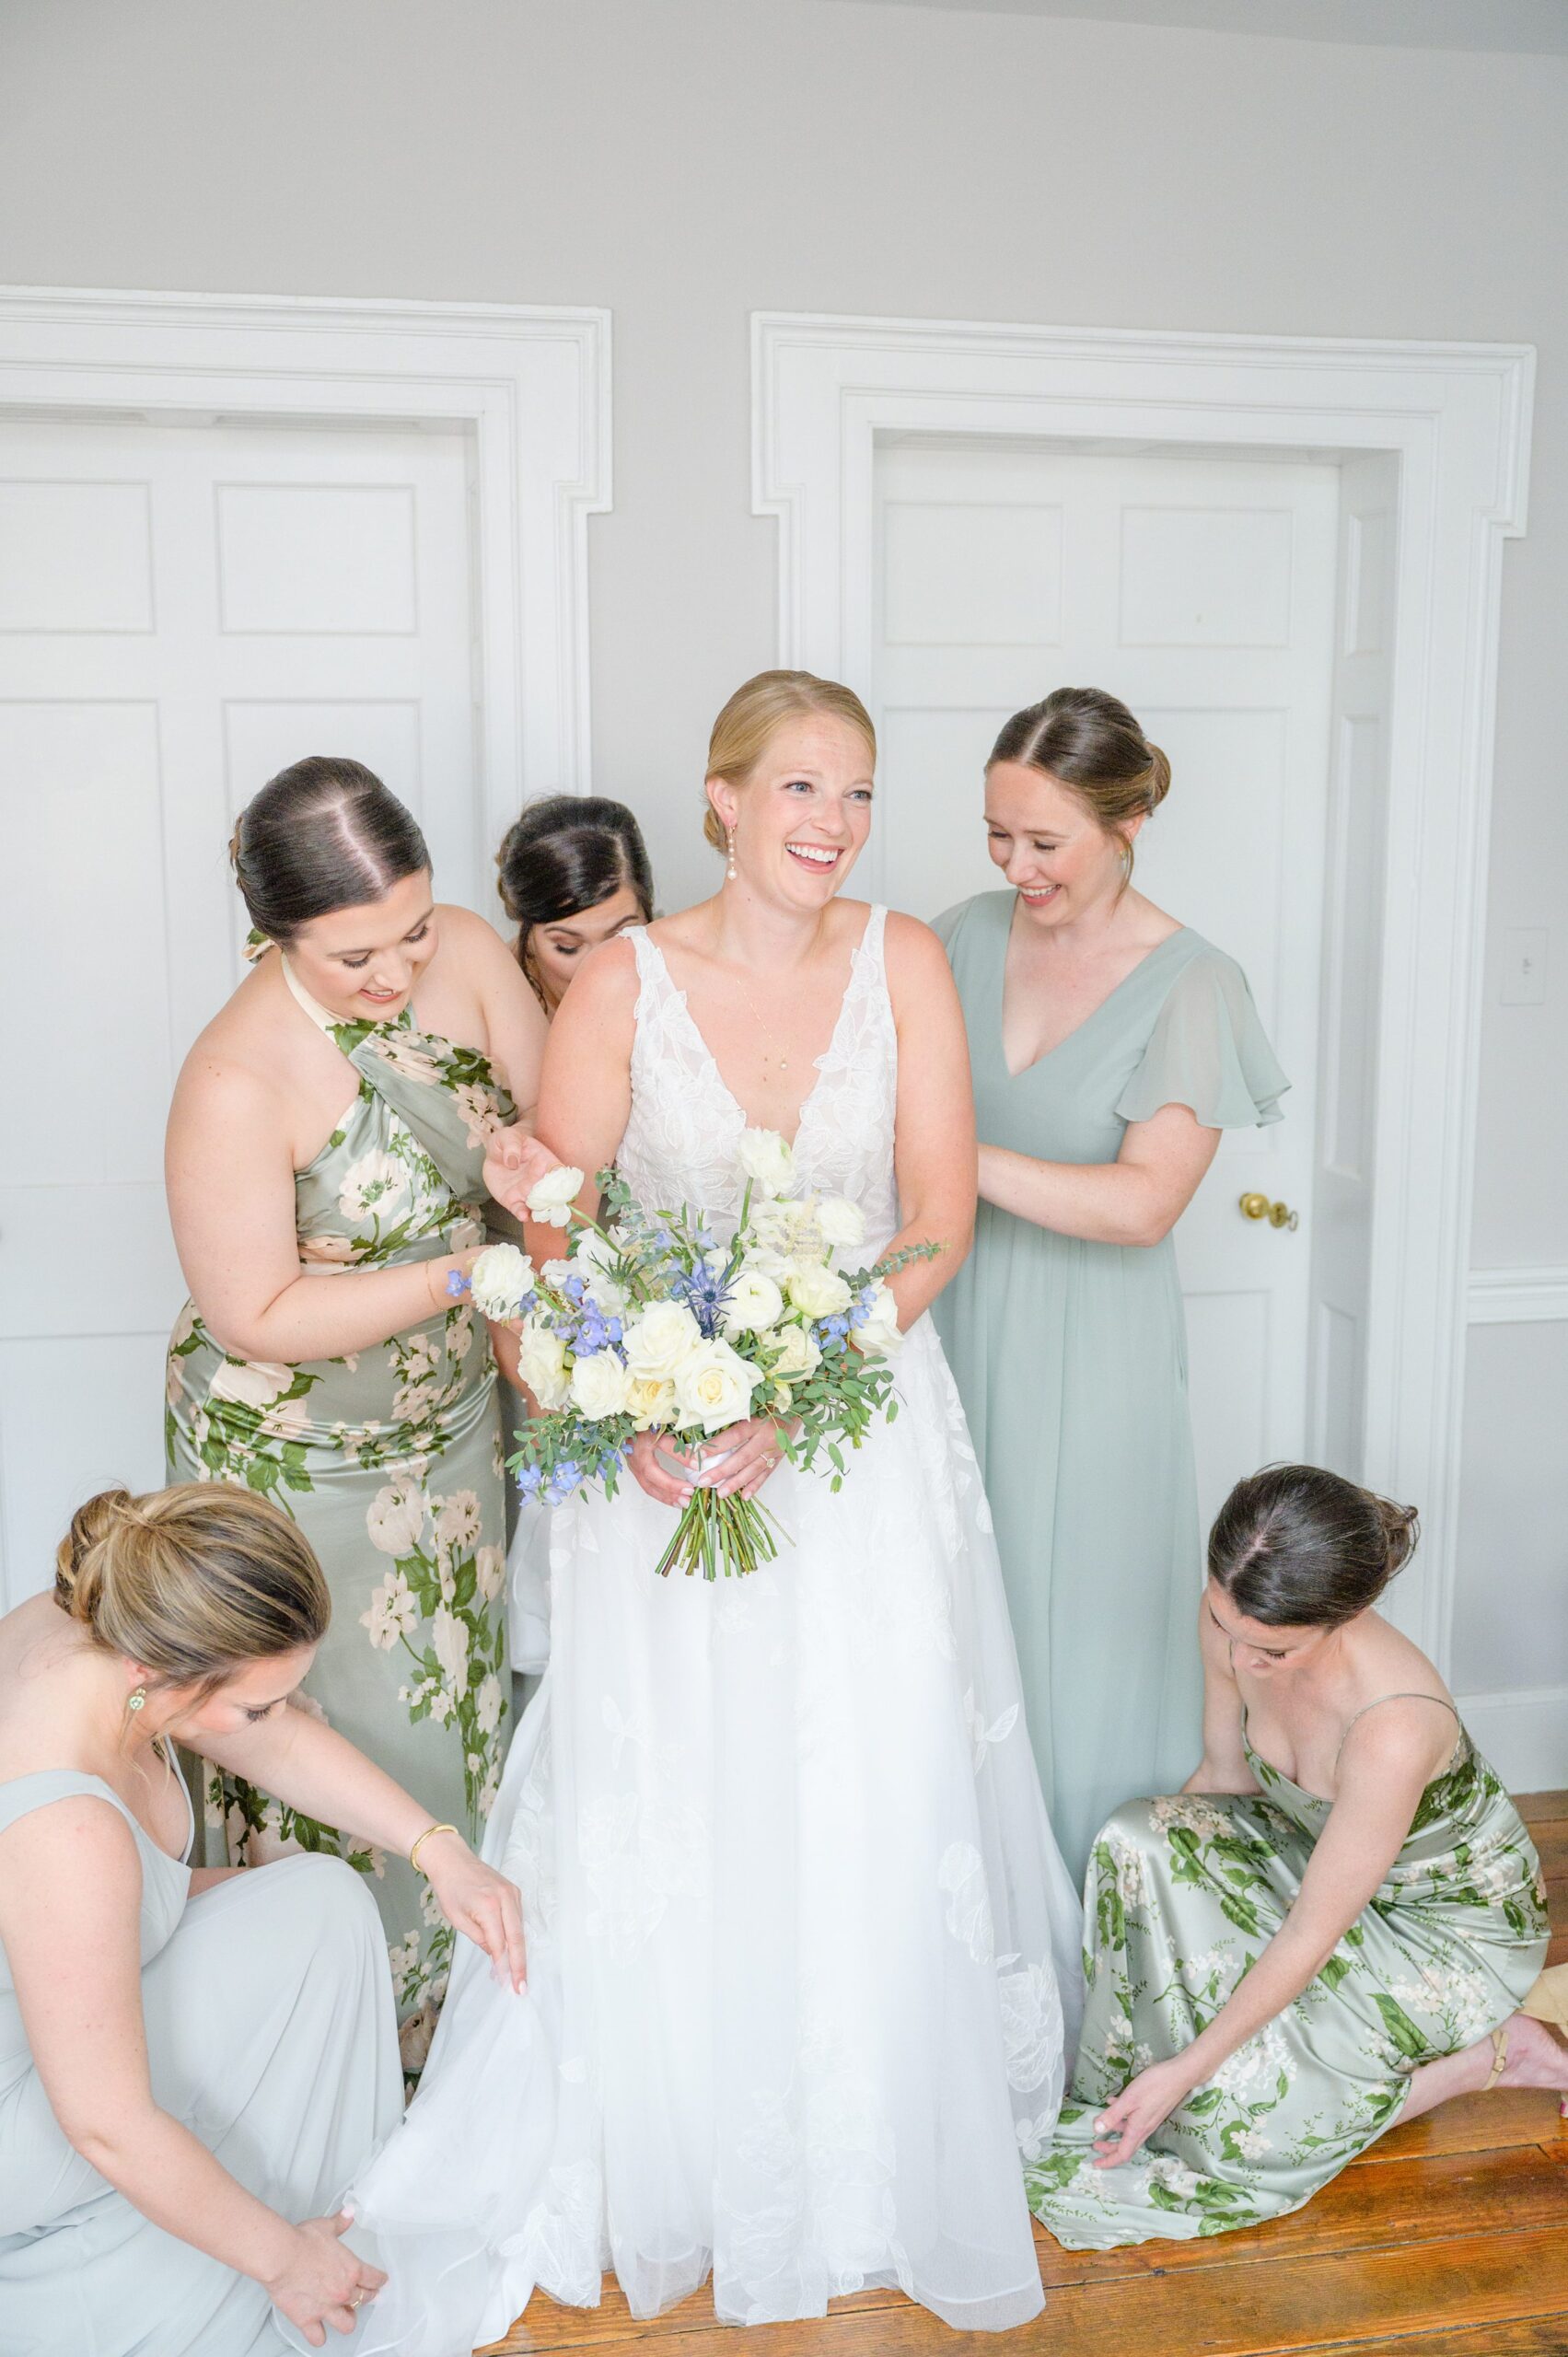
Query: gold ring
point(354, 2298)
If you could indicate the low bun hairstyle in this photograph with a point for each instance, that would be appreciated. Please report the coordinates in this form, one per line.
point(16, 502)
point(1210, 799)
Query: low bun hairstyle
point(193, 1582)
point(1089, 742)
point(740, 733)
point(566, 852)
point(1298, 1548)
point(323, 834)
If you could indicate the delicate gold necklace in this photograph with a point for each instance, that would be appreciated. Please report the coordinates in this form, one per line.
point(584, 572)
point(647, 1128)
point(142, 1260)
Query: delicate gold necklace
point(783, 1058)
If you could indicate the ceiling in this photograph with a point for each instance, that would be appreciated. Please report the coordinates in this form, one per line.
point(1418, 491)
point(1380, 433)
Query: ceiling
point(1537, 26)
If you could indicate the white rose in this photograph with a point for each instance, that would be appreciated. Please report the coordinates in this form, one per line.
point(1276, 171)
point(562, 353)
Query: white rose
point(755, 1303)
point(376, 1182)
point(881, 1331)
point(651, 1400)
point(713, 1387)
point(252, 1383)
point(661, 1338)
point(600, 1385)
point(395, 1517)
point(552, 1198)
point(766, 1160)
point(555, 1273)
point(798, 1353)
point(816, 1292)
point(842, 1223)
point(541, 1363)
point(499, 1279)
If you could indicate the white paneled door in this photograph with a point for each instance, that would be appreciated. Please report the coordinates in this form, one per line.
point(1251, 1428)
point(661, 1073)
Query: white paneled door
point(185, 609)
point(1200, 590)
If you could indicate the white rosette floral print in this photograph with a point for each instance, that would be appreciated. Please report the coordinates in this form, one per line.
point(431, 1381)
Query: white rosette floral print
point(799, 1933)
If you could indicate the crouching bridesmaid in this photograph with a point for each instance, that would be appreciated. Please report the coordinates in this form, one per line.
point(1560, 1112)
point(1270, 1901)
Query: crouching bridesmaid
point(1336, 1924)
point(192, 2064)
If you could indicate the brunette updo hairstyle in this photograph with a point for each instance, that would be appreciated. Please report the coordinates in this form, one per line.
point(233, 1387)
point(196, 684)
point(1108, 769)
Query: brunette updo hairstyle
point(566, 852)
point(193, 1582)
point(1089, 742)
point(1297, 1547)
point(742, 729)
point(323, 834)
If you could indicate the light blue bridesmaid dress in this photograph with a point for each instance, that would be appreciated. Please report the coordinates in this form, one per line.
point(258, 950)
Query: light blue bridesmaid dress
point(270, 2034)
point(1071, 1360)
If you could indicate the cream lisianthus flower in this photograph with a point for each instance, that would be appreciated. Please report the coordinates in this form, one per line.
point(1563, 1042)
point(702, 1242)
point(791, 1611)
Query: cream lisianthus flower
point(600, 1385)
point(541, 1363)
point(377, 1183)
point(766, 1160)
point(650, 1399)
point(249, 1383)
point(713, 1387)
point(818, 1292)
point(881, 1331)
point(551, 1198)
point(842, 1221)
point(797, 1353)
point(755, 1303)
point(395, 1518)
point(499, 1281)
point(661, 1340)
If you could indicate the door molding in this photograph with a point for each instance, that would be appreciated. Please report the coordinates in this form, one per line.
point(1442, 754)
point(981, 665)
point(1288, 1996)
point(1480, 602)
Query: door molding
point(532, 383)
point(1457, 418)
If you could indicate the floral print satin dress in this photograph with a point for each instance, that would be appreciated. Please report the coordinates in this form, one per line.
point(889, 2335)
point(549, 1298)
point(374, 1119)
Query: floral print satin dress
point(1183, 1893)
point(388, 1458)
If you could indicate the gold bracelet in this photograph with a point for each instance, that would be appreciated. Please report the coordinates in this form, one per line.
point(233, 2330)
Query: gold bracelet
point(413, 1854)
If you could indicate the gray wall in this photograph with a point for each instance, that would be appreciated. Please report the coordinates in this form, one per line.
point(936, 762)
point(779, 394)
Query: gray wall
point(686, 161)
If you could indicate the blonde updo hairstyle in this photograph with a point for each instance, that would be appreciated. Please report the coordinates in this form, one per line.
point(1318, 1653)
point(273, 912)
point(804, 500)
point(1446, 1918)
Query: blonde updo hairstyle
point(744, 728)
point(1089, 742)
point(192, 1584)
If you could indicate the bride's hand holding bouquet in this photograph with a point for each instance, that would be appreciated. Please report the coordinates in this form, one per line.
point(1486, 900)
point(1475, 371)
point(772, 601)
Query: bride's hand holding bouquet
point(649, 1339)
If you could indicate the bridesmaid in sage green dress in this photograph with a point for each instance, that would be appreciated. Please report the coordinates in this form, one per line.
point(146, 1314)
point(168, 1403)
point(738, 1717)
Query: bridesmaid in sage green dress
point(1109, 1045)
point(1336, 1924)
point(327, 1178)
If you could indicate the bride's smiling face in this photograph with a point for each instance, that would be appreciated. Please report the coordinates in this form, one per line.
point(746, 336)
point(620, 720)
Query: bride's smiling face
point(803, 814)
point(361, 963)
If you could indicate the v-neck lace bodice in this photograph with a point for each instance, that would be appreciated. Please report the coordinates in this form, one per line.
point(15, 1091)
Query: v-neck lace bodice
point(685, 1123)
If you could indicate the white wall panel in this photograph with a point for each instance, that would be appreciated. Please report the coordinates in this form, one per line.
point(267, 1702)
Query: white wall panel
point(327, 560)
point(74, 556)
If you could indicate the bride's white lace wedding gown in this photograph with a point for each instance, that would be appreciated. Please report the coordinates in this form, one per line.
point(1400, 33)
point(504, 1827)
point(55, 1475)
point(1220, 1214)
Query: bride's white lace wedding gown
point(799, 1932)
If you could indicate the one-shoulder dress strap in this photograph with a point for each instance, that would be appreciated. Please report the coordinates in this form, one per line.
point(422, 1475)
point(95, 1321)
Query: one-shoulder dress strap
point(1410, 1696)
point(19, 1795)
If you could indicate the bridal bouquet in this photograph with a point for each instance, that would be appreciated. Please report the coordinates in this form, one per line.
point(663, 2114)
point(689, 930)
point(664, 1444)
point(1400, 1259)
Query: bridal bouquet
point(648, 1324)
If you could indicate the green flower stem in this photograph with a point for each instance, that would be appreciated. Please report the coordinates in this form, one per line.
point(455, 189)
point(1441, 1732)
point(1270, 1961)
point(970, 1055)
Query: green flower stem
point(732, 1535)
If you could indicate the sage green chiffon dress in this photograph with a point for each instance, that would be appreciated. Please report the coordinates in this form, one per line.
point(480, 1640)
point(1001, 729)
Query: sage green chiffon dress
point(389, 1460)
point(1071, 1360)
point(1183, 1895)
point(271, 2035)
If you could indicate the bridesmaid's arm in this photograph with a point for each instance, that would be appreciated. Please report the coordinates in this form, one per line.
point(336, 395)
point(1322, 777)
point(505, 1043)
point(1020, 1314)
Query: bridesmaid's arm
point(231, 1202)
point(515, 1026)
point(70, 1905)
point(1135, 1199)
point(1224, 1766)
point(1386, 1769)
point(319, 1773)
point(933, 1126)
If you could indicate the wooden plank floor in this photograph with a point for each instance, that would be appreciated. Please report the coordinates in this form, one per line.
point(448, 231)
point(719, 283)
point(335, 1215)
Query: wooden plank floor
point(1450, 2239)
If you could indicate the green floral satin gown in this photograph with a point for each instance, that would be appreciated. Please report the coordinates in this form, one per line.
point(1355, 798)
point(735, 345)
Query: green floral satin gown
point(388, 1458)
point(1183, 1894)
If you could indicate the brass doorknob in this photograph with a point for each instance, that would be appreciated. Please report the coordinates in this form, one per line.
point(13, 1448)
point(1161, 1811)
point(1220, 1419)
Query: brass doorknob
point(1277, 1214)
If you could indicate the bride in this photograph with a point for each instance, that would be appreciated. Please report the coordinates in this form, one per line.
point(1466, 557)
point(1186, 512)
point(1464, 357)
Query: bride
point(800, 1937)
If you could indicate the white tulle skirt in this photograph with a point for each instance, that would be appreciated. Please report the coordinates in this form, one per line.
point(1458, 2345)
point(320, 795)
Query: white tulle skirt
point(804, 1958)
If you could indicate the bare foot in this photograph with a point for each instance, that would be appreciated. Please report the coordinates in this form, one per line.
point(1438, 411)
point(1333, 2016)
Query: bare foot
point(1536, 2056)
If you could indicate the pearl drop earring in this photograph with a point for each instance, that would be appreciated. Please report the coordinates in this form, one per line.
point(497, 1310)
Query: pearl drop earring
point(730, 871)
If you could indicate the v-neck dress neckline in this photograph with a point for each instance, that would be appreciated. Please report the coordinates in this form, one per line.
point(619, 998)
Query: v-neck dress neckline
point(1150, 957)
point(820, 1064)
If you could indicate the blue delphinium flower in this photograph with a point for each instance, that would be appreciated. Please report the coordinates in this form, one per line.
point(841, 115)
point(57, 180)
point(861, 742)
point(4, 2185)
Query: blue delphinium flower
point(567, 1478)
point(528, 1480)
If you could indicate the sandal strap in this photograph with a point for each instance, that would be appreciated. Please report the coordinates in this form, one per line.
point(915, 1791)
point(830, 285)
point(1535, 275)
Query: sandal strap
point(1499, 2057)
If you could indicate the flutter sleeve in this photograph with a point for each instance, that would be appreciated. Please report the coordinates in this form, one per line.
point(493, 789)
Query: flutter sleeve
point(1209, 1051)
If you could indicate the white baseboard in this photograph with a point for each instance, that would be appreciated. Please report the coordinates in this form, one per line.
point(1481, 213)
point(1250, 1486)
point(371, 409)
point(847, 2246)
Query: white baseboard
point(1525, 1735)
point(1517, 1296)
